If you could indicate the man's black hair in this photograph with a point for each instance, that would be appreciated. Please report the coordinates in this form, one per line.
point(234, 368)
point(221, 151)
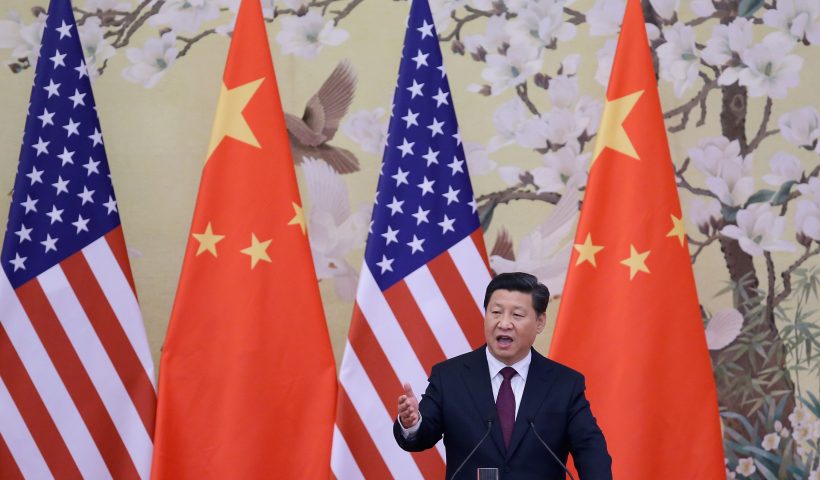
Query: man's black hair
point(520, 282)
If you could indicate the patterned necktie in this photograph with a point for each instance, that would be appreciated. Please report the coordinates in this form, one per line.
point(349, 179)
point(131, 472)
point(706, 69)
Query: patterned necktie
point(505, 404)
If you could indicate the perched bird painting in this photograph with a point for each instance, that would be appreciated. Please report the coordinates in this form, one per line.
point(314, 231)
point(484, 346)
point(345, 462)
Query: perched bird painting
point(309, 135)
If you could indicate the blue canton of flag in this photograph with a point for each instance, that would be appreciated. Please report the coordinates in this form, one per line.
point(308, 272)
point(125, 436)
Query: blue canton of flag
point(63, 198)
point(424, 202)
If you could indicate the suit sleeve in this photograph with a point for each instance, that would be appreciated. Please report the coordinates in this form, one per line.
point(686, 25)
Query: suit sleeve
point(586, 441)
point(431, 426)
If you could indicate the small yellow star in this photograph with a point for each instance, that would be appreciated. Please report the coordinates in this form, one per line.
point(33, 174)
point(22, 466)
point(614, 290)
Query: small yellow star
point(611, 132)
point(228, 120)
point(587, 251)
point(257, 251)
point(677, 229)
point(636, 262)
point(207, 240)
point(298, 217)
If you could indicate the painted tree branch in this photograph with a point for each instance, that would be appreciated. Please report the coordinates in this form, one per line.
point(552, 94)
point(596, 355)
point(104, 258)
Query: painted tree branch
point(786, 275)
point(702, 245)
point(762, 133)
point(686, 109)
point(472, 14)
point(521, 90)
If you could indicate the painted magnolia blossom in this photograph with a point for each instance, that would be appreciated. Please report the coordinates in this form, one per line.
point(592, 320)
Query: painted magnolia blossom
point(23, 40)
point(768, 68)
point(679, 59)
point(368, 128)
point(770, 442)
point(335, 230)
point(811, 189)
point(713, 152)
point(758, 230)
point(723, 328)
point(95, 46)
point(504, 71)
point(563, 126)
point(545, 251)
point(605, 56)
point(540, 23)
point(807, 219)
point(801, 127)
point(105, 5)
point(746, 466)
point(494, 37)
point(149, 63)
point(478, 159)
point(605, 17)
point(797, 19)
point(510, 174)
point(589, 110)
point(441, 10)
point(784, 168)
point(305, 36)
point(563, 91)
point(509, 120)
point(702, 8)
point(665, 8)
point(704, 212)
point(294, 5)
point(268, 7)
point(186, 16)
point(563, 169)
point(727, 41)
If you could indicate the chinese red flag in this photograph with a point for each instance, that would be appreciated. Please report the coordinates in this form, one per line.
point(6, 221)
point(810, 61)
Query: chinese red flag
point(247, 377)
point(629, 318)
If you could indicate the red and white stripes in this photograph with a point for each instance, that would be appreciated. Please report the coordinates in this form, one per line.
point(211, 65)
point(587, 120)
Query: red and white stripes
point(76, 375)
point(396, 336)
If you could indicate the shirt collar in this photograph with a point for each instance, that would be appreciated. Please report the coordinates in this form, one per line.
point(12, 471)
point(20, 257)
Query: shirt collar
point(522, 367)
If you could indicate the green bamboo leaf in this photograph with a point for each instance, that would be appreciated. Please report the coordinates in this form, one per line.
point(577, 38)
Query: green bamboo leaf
point(782, 193)
point(767, 474)
point(763, 453)
point(764, 195)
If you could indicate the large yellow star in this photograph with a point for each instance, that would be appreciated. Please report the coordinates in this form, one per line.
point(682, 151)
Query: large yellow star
point(257, 251)
point(587, 251)
point(298, 217)
point(636, 262)
point(611, 132)
point(207, 240)
point(229, 121)
point(677, 229)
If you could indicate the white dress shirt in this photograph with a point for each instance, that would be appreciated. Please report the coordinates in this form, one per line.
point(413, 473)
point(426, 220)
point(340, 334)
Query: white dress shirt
point(522, 367)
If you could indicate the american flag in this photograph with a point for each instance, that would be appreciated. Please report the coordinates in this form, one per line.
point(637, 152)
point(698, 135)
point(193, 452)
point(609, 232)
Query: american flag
point(421, 288)
point(76, 377)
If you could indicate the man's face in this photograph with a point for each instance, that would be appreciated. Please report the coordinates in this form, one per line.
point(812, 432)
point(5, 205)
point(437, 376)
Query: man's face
point(511, 324)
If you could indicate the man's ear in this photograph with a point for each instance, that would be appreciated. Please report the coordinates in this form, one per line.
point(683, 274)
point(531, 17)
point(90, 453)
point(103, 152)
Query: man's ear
point(540, 322)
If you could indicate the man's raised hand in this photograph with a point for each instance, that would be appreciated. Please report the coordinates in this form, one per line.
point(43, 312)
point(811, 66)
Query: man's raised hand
point(408, 407)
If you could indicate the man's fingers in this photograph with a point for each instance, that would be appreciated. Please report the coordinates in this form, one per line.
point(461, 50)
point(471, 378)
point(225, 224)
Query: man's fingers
point(408, 390)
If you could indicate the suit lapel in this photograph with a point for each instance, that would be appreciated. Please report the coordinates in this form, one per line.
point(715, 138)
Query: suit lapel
point(539, 382)
point(477, 378)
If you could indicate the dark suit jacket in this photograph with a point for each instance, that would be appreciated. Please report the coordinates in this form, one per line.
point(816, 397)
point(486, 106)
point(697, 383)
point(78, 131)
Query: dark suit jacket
point(459, 403)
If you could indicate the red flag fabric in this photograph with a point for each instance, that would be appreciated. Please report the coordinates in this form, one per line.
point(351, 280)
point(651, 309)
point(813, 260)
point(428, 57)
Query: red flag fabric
point(248, 381)
point(629, 318)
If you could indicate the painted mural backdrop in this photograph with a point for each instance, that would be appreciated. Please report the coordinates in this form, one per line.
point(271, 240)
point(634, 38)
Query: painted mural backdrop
point(738, 82)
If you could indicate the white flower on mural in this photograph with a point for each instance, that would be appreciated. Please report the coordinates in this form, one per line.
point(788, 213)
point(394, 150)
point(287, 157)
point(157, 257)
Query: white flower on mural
point(335, 230)
point(704, 212)
point(95, 47)
point(811, 189)
point(533, 133)
point(723, 328)
point(478, 159)
point(807, 219)
point(368, 128)
point(441, 10)
point(770, 442)
point(22, 40)
point(540, 23)
point(268, 7)
point(545, 251)
point(758, 230)
point(509, 120)
point(768, 68)
point(727, 41)
point(562, 169)
point(746, 466)
point(665, 8)
point(293, 4)
point(728, 175)
point(149, 63)
point(494, 37)
point(186, 16)
point(605, 16)
point(119, 5)
point(679, 59)
point(801, 127)
point(563, 127)
point(797, 19)
point(563, 91)
point(588, 111)
point(306, 36)
point(711, 153)
point(514, 68)
point(605, 56)
point(510, 174)
point(702, 8)
point(785, 168)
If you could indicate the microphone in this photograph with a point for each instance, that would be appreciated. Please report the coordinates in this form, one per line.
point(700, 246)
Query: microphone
point(532, 426)
point(489, 427)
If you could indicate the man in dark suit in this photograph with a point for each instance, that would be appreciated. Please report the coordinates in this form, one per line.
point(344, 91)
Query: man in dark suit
point(508, 388)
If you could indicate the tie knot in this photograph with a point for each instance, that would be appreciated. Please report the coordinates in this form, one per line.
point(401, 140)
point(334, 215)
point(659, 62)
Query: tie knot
point(508, 373)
